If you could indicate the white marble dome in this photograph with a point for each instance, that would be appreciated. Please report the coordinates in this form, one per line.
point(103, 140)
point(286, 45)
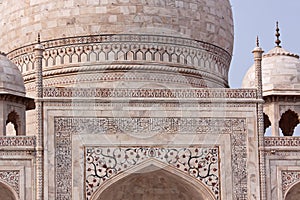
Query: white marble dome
point(280, 73)
point(11, 80)
point(204, 20)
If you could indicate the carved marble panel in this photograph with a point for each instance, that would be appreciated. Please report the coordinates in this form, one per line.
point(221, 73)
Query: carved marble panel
point(65, 127)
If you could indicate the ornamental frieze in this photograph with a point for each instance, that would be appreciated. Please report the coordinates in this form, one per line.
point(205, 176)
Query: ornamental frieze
point(70, 92)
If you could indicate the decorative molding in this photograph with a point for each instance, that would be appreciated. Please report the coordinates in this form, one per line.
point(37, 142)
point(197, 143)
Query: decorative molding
point(12, 178)
point(70, 92)
point(289, 178)
point(282, 141)
point(103, 163)
point(17, 141)
point(277, 154)
point(187, 57)
point(179, 105)
point(65, 127)
point(129, 47)
point(131, 73)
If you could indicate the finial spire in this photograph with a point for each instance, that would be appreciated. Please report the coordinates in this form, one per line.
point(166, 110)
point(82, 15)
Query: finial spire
point(257, 41)
point(277, 35)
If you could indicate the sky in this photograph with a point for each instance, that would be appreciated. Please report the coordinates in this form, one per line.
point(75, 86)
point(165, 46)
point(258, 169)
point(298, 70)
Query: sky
point(258, 18)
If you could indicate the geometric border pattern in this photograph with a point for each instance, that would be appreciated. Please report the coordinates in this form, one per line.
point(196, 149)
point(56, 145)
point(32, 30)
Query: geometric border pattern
point(65, 127)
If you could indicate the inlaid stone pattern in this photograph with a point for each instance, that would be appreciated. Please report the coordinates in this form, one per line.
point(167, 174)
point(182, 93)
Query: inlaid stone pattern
point(12, 178)
point(17, 141)
point(148, 93)
point(282, 141)
point(289, 177)
point(65, 127)
point(102, 163)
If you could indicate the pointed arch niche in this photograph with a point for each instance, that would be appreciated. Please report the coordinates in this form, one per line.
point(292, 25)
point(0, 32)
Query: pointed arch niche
point(153, 180)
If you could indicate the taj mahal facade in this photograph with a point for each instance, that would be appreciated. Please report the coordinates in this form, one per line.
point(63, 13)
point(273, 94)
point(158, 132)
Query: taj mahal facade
point(129, 100)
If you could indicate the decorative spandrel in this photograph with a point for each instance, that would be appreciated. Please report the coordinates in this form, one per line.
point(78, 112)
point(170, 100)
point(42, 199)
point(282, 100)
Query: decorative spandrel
point(103, 163)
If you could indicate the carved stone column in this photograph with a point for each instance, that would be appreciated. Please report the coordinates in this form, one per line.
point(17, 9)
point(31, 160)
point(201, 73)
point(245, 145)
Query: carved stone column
point(258, 52)
point(39, 162)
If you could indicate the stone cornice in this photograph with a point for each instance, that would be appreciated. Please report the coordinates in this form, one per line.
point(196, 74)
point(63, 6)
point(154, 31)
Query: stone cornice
point(28, 102)
point(282, 98)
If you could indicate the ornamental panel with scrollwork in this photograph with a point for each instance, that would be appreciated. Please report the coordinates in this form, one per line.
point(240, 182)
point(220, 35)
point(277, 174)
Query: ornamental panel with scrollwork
point(103, 163)
point(65, 127)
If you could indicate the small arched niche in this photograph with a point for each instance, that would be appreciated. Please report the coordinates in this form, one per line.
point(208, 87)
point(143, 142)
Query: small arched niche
point(13, 124)
point(154, 183)
point(267, 124)
point(6, 193)
point(293, 193)
point(288, 121)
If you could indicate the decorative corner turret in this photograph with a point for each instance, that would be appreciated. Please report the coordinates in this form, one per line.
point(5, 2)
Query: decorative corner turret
point(258, 54)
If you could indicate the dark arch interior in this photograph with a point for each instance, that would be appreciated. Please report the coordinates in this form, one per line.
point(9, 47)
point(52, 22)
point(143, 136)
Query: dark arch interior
point(14, 118)
point(5, 193)
point(293, 193)
point(151, 183)
point(267, 122)
point(289, 120)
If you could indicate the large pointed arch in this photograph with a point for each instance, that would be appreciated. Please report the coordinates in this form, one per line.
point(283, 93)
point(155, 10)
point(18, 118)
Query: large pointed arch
point(7, 192)
point(154, 168)
point(294, 192)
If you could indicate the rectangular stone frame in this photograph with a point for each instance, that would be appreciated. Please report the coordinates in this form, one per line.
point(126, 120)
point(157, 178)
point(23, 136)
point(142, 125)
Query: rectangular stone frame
point(65, 127)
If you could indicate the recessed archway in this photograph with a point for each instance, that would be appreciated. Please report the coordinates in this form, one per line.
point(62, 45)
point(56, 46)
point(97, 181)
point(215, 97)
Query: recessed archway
point(293, 193)
point(154, 182)
point(6, 193)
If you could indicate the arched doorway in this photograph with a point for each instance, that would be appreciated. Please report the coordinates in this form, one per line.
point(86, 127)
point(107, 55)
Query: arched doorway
point(154, 183)
point(293, 193)
point(6, 193)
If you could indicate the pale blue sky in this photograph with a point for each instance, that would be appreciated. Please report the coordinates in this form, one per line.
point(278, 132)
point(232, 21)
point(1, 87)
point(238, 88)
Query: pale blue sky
point(258, 17)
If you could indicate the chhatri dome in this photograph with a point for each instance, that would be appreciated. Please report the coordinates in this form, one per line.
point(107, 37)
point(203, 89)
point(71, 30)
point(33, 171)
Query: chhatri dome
point(11, 80)
point(167, 43)
point(280, 72)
